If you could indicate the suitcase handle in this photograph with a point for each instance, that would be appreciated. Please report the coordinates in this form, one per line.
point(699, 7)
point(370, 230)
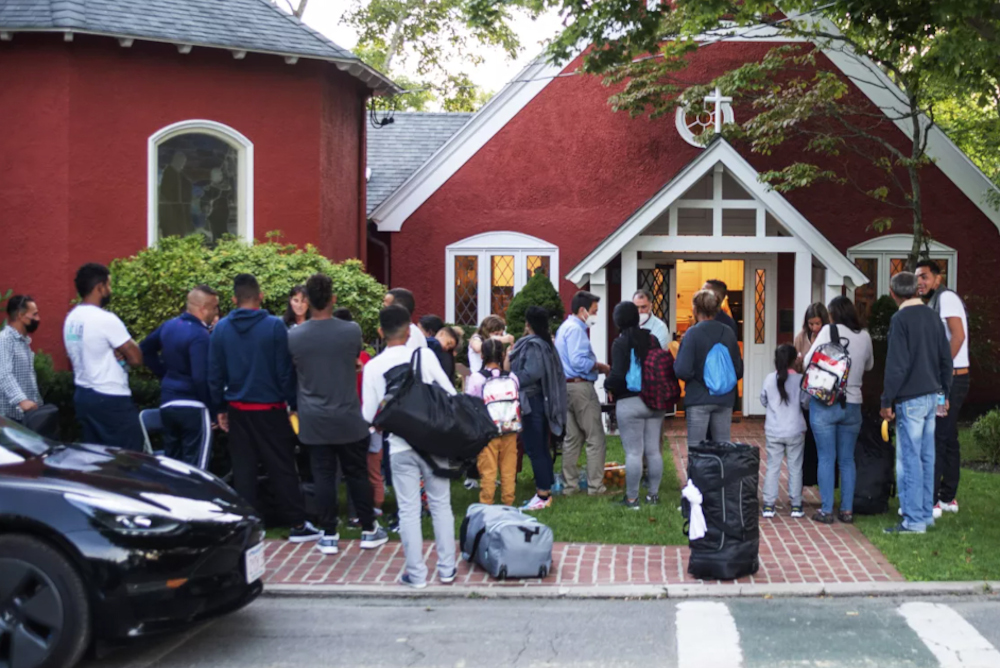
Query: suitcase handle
point(475, 544)
point(529, 533)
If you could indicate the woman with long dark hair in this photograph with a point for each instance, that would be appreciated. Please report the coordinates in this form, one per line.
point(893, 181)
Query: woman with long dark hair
point(639, 426)
point(816, 316)
point(836, 427)
point(535, 362)
point(297, 311)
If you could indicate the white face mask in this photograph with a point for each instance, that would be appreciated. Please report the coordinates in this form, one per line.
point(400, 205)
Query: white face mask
point(644, 318)
point(592, 321)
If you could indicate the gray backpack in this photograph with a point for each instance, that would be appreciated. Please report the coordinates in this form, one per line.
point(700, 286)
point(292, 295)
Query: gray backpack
point(506, 542)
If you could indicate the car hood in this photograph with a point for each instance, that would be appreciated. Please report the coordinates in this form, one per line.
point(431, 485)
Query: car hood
point(184, 491)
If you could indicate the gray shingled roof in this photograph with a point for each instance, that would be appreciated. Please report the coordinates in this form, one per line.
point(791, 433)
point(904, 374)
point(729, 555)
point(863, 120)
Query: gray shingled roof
point(397, 150)
point(242, 25)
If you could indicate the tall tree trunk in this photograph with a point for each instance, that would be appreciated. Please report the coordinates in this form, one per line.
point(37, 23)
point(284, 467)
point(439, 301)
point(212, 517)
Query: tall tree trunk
point(916, 203)
point(395, 42)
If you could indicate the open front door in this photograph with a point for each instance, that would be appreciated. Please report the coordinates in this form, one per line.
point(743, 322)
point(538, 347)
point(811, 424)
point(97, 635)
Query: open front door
point(760, 329)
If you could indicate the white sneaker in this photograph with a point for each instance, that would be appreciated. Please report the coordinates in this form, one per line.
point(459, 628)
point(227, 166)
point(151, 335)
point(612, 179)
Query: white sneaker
point(329, 544)
point(951, 507)
point(937, 510)
point(537, 503)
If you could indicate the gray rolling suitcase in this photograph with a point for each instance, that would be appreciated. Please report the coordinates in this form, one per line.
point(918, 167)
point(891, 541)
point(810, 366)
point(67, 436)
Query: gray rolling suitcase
point(506, 542)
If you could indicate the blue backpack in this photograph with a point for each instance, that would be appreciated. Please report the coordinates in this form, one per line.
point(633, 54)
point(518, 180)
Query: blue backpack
point(633, 379)
point(719, 373)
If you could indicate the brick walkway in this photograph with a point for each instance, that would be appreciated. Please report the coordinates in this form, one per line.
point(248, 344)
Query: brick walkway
point(791, 551)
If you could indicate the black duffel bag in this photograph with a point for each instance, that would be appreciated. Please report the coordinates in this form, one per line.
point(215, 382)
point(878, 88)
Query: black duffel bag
point(433, 422)
point(727, 475)
point(875, 462)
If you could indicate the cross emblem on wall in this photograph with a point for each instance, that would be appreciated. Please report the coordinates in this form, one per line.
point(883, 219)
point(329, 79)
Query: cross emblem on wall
point(717, 99)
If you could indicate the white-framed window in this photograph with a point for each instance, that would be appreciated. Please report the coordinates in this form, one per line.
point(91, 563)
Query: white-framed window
point(484, 272)
point(200, 180)
point(883, 257)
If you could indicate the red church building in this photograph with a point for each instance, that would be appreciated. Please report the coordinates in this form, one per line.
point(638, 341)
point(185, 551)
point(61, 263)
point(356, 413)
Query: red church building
point(128, 121)
point(546, 177)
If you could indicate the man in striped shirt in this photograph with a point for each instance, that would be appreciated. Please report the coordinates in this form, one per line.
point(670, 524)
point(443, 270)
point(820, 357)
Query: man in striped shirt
point(18, 383)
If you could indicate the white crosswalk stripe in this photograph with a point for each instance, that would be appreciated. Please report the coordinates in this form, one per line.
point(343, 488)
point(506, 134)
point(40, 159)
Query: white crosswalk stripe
point(707, 636)
point(950, 638)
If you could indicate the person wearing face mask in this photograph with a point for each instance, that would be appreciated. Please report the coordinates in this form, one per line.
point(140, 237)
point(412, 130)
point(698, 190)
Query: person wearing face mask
point(648, 320)
point(100, 350)
point(18, 383)
point(583, 420)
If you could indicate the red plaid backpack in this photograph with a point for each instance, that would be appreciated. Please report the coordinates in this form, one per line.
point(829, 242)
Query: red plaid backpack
point(660, 389)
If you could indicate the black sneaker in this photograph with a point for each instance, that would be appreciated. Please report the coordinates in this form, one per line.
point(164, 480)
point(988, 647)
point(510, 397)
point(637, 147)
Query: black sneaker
point(303, 534)
point(354, 522)
point(846, 518)
point(393, 523)
point(798, 512)
point(823, 518)
point(767, 511)
point(653, 499)
point(629, 505)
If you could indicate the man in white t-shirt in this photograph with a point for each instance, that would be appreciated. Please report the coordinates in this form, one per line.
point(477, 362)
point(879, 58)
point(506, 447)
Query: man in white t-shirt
point(408, 467)
point(100, 350)
point(403, 297)
point(951, 309)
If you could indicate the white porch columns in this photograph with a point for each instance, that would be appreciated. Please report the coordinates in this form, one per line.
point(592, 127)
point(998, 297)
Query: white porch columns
point(630, 272)
point(803, 283)
point(599, 332)
point(834, 291)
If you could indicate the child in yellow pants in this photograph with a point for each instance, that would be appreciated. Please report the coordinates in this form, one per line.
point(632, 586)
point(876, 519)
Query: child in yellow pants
point(500, 392)
point(500, 453)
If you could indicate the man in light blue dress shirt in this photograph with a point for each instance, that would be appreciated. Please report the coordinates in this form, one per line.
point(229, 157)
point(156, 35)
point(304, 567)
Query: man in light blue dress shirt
point(583, 420)
point(648, 320)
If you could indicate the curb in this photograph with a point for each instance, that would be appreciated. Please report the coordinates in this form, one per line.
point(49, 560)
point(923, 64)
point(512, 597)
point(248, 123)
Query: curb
point(679, 591)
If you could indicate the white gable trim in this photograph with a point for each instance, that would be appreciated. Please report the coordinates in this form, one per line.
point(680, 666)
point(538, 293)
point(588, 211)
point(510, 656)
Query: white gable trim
point(390, 215)
point(720, 151)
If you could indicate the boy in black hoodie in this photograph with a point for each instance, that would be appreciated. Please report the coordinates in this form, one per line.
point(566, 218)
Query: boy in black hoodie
point(251, 372)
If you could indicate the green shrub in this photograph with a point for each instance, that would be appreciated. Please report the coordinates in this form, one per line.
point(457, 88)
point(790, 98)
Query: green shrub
point(986, 436)
point(881, 315)
point(151, 286)
point(538, 291)
point(4, 296)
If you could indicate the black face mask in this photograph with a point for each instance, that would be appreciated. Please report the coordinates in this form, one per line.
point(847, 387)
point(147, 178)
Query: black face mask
point(31, 326)
point(929, 295)
point(105, 300)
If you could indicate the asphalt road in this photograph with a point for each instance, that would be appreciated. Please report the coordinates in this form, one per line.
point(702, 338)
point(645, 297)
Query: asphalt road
point(957, 632)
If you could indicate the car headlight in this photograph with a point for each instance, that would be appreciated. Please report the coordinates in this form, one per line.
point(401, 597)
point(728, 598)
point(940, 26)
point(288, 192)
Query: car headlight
point(123, 515)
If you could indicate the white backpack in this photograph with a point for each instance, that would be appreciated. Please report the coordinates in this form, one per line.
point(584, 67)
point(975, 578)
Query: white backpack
point(501, 394)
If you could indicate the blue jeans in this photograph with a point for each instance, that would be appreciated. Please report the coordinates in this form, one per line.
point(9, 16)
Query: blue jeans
point(536, 442)
point(915, 449)
point(836, 429)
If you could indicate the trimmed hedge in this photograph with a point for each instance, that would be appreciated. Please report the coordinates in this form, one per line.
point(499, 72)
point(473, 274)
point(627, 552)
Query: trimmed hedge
point(538, 291)
point(151, 286)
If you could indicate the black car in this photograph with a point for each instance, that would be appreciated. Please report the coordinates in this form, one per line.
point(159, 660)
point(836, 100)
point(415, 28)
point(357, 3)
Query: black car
point(98, 543)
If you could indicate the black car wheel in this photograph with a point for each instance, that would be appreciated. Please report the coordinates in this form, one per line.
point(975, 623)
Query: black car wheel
point(44, 616)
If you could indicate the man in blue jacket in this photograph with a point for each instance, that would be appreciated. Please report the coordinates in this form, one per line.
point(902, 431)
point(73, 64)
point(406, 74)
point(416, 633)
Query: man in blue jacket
point(177, 352)
point(251, 373)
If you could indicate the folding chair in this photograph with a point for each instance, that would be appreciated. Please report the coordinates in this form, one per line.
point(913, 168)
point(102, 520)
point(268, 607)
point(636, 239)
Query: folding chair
point(151, 420)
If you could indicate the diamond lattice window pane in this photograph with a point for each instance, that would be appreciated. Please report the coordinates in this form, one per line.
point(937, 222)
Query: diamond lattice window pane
point(538, 264)
point(467, 290)
point(654, 281)
point(501, 283)
point(896, 266)
point(758, 306)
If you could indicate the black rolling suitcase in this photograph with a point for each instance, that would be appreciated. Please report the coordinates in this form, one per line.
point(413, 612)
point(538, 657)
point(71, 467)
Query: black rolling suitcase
point(727, 476)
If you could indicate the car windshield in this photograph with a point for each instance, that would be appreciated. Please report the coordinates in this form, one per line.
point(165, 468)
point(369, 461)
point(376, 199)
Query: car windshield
point(18, 443)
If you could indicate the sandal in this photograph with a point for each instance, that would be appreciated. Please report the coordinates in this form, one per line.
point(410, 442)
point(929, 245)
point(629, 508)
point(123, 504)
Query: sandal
point(822, 518)
point(846, 517)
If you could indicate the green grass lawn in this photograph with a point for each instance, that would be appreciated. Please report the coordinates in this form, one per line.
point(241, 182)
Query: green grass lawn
point(965, 546)
point(578, 518)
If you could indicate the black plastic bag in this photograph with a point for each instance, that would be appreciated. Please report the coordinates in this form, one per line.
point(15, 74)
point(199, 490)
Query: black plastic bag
point(727, 475)
point(875, 461)
point(431, 421)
